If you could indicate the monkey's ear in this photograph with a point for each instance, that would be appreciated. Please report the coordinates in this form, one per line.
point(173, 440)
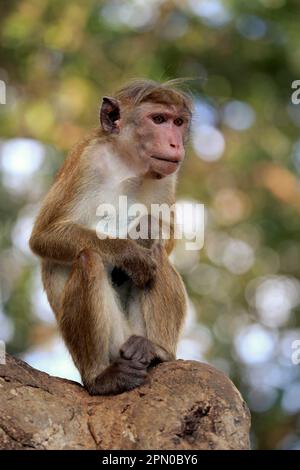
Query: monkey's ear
point(110, 115)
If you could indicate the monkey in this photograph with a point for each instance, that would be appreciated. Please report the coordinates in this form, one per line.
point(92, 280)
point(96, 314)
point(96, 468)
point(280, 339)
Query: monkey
point(119, 302)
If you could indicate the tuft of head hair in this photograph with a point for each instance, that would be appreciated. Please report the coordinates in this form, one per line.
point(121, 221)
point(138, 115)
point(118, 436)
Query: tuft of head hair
point(140, 91)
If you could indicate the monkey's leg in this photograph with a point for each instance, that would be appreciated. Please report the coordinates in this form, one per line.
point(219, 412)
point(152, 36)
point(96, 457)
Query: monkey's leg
point(90, 322)
point(163, 307)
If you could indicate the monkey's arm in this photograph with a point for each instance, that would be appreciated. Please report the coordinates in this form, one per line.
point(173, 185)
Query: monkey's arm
point(165, 235)
point(170, 243)
point(63, 242)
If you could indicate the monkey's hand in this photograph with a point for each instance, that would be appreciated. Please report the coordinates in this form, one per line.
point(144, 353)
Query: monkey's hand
point(141, 349)
point(140, 266)
point(119, 377)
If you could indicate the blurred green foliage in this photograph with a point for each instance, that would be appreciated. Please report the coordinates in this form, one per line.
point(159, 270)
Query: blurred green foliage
point(58, 58)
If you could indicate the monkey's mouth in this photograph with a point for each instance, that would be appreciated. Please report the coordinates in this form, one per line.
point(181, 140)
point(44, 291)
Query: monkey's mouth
point(168, 160)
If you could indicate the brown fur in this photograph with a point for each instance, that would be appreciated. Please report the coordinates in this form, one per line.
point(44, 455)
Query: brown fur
point(113, 336)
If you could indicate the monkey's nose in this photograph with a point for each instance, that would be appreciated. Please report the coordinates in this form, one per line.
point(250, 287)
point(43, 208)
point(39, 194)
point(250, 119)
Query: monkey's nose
point(175, 146)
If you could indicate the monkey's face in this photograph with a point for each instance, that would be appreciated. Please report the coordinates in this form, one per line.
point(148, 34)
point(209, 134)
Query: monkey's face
point(151, 136)
point(160, 133)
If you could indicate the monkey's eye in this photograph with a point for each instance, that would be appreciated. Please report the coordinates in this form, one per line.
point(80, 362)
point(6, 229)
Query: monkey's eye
point(159, 119)
point(178, 122)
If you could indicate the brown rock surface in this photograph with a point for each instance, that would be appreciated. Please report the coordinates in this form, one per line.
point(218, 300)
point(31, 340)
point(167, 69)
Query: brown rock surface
point(183, 405)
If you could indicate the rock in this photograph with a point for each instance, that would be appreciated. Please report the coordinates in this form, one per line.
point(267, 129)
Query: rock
point(183, 405)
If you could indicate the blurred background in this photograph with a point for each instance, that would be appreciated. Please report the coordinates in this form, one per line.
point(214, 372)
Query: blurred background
point(57, 59)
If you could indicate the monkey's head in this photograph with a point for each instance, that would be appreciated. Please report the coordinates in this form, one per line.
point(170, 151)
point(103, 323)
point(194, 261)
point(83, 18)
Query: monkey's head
point(148, 123)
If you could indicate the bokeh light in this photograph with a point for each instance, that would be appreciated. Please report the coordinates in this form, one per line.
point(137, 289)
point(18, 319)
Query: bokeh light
point(209, 143)
point(20, 159)
point(238, 115)
point(242, 164)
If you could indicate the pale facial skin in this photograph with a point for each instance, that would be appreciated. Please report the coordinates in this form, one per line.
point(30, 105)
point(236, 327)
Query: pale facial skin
point(158, 132)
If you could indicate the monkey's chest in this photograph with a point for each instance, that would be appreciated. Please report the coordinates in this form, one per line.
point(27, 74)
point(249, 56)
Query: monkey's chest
point(118, 218)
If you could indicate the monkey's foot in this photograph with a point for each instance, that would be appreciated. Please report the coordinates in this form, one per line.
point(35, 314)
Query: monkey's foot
point(139, 348)
point(119, 377)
